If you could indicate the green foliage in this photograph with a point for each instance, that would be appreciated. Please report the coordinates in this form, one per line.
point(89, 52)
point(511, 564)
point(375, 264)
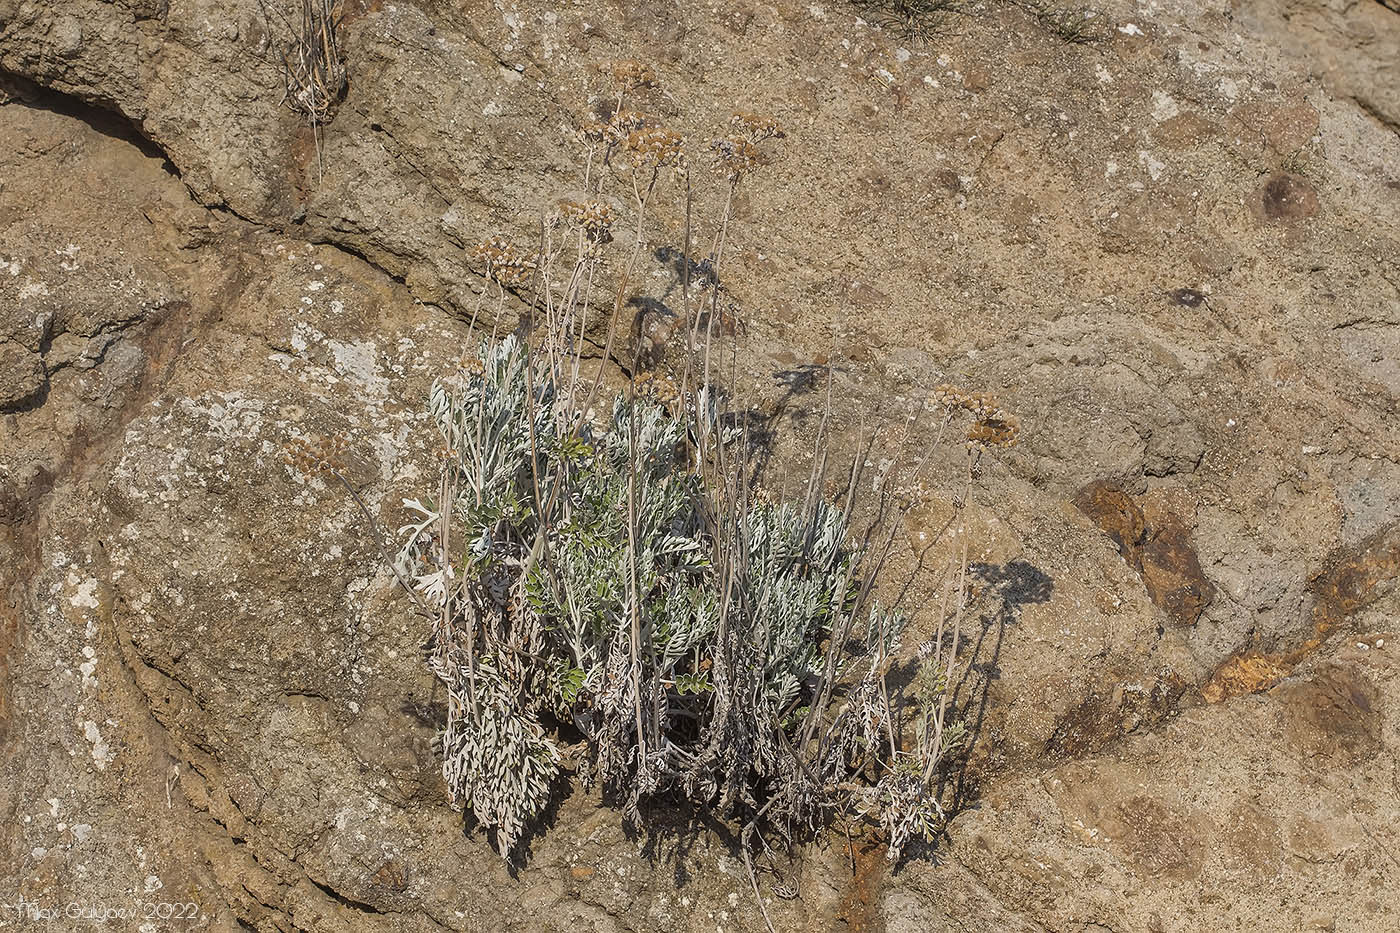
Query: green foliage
point(704, 642)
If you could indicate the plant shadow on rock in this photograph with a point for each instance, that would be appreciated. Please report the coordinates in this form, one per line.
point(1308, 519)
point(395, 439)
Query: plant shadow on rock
point(678, 824)
point(522, 851)
point(1013, 585)
point(762, 426)
point(654, 324)
point(703, 274)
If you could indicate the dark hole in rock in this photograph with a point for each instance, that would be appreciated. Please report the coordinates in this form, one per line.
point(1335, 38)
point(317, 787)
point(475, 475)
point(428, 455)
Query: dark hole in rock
point(1188, 297)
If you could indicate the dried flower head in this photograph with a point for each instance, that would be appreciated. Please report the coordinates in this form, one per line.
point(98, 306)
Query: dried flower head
point(736, 156)
point(979, 404)
point(992, 425)
point(630, 74)
point(915, 493)
point(593, 131)
point(654, 147)
point(755, 127)
point(661, 389)
point(596, 218)
point(983, 405)
point(470, 364)
point(319, 455)
point(506, 264)
point(946, 396)
point(463, 371)
point(1001, 431)
point(615, 130)
point(626, 122)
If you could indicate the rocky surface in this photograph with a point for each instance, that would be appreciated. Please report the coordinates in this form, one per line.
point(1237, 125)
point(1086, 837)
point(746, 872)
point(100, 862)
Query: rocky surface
point(1172, 251)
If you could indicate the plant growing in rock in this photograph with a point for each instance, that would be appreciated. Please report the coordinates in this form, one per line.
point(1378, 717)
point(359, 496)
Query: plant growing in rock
point(921, 20)
point(624, 573)
point(313, 68)
point(1076, 25)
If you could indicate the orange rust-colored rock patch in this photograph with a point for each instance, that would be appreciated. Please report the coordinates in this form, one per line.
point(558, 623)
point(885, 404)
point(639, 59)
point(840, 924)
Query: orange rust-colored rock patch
point(1156, 543)
point(1355, 578)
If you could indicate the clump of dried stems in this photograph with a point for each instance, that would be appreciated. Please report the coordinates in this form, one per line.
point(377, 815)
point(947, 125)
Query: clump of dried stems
point(312, 66)
point(1073, 24)
point(921, 20)
point(618, 567)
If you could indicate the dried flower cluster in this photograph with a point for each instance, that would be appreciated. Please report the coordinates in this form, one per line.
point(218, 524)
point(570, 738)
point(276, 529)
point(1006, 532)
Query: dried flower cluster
point(593, 132)
point(595, 218)
point(755, 127)
point(950, 397)
point(321, 455)
point(655, 147)
point(629, 75)
point(992, 425)
point(662, 389)
point(615, 131)
point(1001, 431)
point(736, 156)
point(467, 366)
point(506, 264)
